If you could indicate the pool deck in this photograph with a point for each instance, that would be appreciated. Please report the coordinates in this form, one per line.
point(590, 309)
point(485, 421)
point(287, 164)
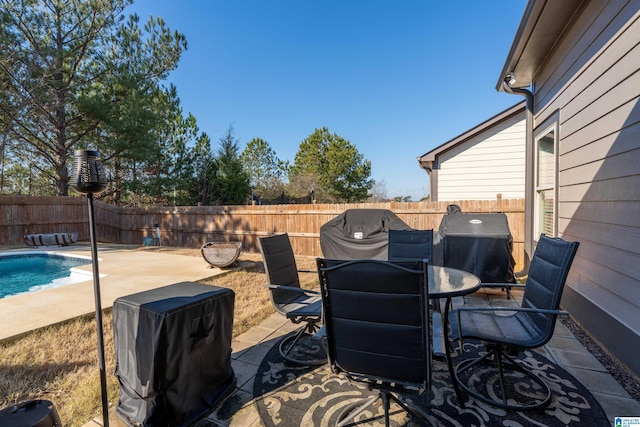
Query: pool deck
point(123, 272)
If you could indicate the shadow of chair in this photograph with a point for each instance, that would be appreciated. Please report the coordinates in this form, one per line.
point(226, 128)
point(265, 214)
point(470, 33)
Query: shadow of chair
point(410, 245)
point(376, 320)
point(289, 299)
point(505, 335)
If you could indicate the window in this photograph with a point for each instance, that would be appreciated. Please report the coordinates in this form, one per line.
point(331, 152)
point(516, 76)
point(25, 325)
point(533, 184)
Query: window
point(545, 202)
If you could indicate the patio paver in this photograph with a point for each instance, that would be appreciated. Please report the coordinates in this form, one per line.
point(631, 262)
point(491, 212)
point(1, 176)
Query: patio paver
point(238, 410)
point(564, 349)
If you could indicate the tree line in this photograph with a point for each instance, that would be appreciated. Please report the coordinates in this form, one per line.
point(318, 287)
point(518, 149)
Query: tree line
point(83, 74)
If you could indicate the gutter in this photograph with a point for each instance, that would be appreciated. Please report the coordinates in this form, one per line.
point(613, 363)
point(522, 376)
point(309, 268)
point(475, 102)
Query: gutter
point(509, 80)
point(427, 166)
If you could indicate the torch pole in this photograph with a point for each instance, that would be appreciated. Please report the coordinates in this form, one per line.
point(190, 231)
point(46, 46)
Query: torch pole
point(99, 328)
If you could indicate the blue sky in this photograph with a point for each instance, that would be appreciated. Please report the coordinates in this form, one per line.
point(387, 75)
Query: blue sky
point(396, 78)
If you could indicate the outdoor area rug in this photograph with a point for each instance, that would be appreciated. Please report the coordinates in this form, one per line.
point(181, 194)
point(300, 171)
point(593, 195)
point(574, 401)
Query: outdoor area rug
point(288, 395)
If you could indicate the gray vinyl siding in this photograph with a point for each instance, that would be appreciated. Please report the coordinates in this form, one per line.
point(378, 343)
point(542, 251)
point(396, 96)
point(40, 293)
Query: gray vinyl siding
point(488, 164)
point(592, 83)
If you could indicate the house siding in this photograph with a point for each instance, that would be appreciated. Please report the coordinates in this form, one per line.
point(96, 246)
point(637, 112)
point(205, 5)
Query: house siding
point(486, 165)
point(592, 83)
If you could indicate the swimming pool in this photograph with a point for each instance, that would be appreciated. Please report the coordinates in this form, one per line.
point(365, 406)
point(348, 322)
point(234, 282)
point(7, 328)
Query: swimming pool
point(33, 271)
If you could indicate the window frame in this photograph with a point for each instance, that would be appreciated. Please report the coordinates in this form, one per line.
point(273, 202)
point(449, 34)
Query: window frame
point(538, 189)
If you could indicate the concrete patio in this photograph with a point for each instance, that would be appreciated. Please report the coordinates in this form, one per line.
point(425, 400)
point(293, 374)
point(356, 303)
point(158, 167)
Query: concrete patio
point(564, 349)
point(250, 348)
point(121, 275)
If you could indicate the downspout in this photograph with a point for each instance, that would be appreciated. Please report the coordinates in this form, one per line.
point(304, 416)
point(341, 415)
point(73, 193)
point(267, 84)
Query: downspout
point(428, 168)
point(509, 79)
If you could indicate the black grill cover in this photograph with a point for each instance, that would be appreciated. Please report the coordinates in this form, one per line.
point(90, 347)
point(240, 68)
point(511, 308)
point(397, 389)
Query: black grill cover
point(359, 234)
point(173, 353)
point(478, 243)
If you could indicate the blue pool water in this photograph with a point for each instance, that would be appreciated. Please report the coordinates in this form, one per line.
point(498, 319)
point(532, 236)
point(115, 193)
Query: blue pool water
point(30, 272)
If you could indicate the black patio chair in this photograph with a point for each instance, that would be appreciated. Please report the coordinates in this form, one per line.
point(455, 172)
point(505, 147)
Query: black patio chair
point(377, 330)
point(289, 299)
point(410, 245)
point(506, 335)
point(417, 245)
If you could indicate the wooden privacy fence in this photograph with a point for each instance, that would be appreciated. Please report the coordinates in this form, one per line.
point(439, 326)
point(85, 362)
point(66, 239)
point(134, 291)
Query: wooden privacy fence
point(195, 225)
point(21, 215)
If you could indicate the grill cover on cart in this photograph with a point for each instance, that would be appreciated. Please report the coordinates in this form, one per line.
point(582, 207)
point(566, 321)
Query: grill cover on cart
point(478, 243)
point(173, 353)
point(359, 234)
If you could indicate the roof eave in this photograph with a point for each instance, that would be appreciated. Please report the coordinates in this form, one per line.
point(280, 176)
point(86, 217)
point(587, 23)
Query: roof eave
point(542, 26)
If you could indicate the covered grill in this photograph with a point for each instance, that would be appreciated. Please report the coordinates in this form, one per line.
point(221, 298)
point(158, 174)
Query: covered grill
point(173, 353)
point(478, 243)
point(359, 234)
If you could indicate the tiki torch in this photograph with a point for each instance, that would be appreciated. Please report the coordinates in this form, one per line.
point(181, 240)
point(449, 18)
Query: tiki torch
point(89, 177)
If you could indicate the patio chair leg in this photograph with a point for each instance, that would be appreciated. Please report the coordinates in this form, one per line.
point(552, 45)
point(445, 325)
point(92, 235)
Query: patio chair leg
point(351, 411)
point(499, 359)
point(385, 405)
point(346, 416)
point(287, 344)
point(297, 337)
point(447, 346)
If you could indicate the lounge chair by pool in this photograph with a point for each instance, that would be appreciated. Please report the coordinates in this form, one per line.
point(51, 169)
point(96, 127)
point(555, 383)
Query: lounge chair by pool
point(50, 239)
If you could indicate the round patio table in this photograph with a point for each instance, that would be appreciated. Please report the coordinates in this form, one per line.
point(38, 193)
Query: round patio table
point(447, 282)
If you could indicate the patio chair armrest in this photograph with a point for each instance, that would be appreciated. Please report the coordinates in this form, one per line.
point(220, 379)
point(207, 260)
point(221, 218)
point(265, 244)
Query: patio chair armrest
point(502, 285)
point(291, 288)
point(530, 310)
